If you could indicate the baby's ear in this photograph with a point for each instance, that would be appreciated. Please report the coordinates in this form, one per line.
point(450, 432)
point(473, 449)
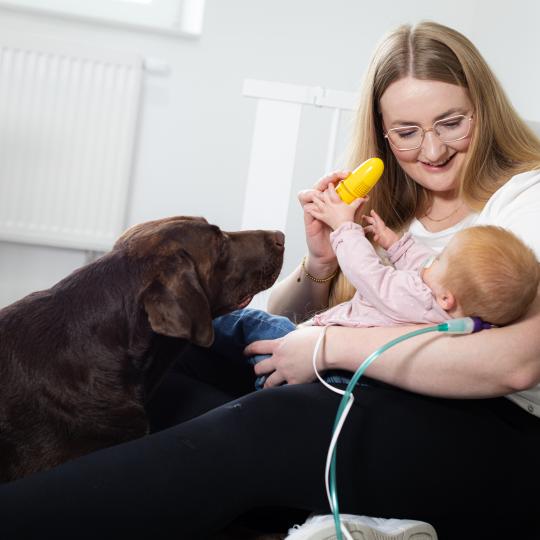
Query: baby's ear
point(446, 300)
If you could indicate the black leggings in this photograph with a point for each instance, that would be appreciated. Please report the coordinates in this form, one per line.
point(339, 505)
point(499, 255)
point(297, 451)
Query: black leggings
point(465, 466)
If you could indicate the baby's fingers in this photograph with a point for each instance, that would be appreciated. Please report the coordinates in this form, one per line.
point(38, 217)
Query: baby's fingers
point(368, 219)
point(377, 219)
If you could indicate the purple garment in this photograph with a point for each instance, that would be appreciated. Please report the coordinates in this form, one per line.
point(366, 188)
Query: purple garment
point(385, 295)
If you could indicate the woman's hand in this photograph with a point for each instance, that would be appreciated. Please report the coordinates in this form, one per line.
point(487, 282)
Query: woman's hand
point(317, 232)
point(292, 357)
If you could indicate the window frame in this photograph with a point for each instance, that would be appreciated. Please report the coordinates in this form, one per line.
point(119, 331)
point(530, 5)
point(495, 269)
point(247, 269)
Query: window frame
point(173, 17)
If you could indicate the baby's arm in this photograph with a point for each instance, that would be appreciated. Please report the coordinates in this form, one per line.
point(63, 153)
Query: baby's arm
point(383, 235)
point(407, 254)
point(389, 290)
point(404, 252)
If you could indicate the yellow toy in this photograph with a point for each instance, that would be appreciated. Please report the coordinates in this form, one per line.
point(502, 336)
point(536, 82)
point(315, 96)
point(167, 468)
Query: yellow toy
point(361, 180)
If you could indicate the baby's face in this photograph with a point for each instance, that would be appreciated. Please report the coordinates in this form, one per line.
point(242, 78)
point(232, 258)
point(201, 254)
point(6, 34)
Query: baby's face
point(433, 277)
point(433, 274)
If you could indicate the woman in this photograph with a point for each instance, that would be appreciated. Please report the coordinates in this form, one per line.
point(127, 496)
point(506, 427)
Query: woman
point(414, 445)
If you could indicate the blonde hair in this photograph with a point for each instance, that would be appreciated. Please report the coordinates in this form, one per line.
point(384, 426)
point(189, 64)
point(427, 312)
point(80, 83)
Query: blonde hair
point(492, 274)
point(501, 147)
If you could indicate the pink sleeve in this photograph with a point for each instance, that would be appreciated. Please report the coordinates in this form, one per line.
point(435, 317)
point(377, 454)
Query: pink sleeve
point(407, 254)
point(392, 291)
point(354, 252)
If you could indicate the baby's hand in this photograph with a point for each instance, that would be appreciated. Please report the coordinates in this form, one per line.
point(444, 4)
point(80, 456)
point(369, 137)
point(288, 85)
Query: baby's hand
point(383, 235)
point(328, 207)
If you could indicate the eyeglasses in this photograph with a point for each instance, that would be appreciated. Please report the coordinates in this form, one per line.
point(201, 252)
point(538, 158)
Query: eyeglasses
point(454, 128)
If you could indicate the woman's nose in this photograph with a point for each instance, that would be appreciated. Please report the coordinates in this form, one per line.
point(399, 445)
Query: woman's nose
point(432, 147)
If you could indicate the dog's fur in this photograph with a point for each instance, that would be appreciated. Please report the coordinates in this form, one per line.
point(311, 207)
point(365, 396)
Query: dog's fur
point(75, 360)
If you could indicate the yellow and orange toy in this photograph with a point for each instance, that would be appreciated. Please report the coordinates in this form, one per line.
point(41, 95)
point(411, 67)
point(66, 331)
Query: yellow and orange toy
point(361, 180)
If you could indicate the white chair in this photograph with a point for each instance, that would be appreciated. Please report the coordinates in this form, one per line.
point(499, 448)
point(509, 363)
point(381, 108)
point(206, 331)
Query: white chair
point(270, 202)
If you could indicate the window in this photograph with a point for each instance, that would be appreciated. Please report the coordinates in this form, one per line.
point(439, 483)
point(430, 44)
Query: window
point(180, 17)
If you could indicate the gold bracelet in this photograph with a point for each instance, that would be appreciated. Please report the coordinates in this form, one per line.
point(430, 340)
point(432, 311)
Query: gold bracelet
point(313, 278)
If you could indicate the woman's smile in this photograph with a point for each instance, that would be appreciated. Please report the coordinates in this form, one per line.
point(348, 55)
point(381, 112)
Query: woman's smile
point(439, 166)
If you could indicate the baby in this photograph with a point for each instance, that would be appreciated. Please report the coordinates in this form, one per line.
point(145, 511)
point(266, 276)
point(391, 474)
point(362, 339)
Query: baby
point(484, 271)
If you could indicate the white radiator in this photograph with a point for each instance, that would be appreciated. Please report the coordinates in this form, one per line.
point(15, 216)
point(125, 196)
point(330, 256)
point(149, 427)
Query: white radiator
point(68, 119)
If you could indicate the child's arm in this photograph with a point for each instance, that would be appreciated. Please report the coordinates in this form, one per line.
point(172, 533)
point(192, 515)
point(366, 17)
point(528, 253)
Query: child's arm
point(404, 253)
point(408, 254)
point(390, 290)
point(398, 294)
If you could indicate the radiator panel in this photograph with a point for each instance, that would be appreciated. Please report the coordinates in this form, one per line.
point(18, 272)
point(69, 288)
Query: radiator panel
point(68, 121)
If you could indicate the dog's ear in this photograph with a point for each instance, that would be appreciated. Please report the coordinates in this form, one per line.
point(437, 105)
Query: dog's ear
point(177, 306)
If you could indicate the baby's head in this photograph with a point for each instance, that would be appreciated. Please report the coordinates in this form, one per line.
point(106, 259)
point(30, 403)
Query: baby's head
point(487, 272)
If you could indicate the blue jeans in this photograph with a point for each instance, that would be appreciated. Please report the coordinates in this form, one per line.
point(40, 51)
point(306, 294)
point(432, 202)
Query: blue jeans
point(234, 331)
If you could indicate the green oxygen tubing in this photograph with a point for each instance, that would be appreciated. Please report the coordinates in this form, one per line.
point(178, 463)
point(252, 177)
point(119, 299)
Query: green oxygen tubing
point(465, 325)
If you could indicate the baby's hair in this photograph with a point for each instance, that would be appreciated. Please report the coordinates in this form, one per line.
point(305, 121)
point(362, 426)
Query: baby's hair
point(492, 274)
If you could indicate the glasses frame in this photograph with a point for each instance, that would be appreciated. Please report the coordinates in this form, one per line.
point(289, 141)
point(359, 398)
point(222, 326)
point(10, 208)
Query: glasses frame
point(432, 128)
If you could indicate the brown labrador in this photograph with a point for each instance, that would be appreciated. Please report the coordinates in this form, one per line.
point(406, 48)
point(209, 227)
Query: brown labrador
point(75, 360)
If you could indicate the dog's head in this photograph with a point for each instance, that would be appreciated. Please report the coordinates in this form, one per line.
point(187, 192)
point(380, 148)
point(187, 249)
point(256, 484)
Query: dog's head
point(192, 272)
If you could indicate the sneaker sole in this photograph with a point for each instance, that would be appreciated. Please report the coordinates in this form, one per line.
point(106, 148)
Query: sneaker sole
point(421, 531)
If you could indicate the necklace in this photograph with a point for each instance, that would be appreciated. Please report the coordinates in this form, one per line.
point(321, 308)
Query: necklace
point(454, 211)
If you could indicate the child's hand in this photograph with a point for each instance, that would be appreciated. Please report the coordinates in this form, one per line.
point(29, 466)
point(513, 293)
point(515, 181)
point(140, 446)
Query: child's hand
point(330, 209)
point(383, 235)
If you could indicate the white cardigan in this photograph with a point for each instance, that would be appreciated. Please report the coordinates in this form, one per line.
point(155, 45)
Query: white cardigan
point(515, 206)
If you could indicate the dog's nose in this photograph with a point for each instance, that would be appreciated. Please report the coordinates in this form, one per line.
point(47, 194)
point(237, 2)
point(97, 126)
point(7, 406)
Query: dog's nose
point(279, 239)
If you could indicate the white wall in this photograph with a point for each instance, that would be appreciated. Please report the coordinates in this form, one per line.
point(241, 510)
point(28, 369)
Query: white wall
point(194, 144)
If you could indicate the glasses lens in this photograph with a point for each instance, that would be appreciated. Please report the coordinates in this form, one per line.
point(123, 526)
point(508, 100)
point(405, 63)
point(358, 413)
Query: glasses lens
point(452, 129)
point(406, 138)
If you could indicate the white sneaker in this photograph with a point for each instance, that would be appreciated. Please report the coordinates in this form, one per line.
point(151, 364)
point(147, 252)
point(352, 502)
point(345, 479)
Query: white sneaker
point(363, 528)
